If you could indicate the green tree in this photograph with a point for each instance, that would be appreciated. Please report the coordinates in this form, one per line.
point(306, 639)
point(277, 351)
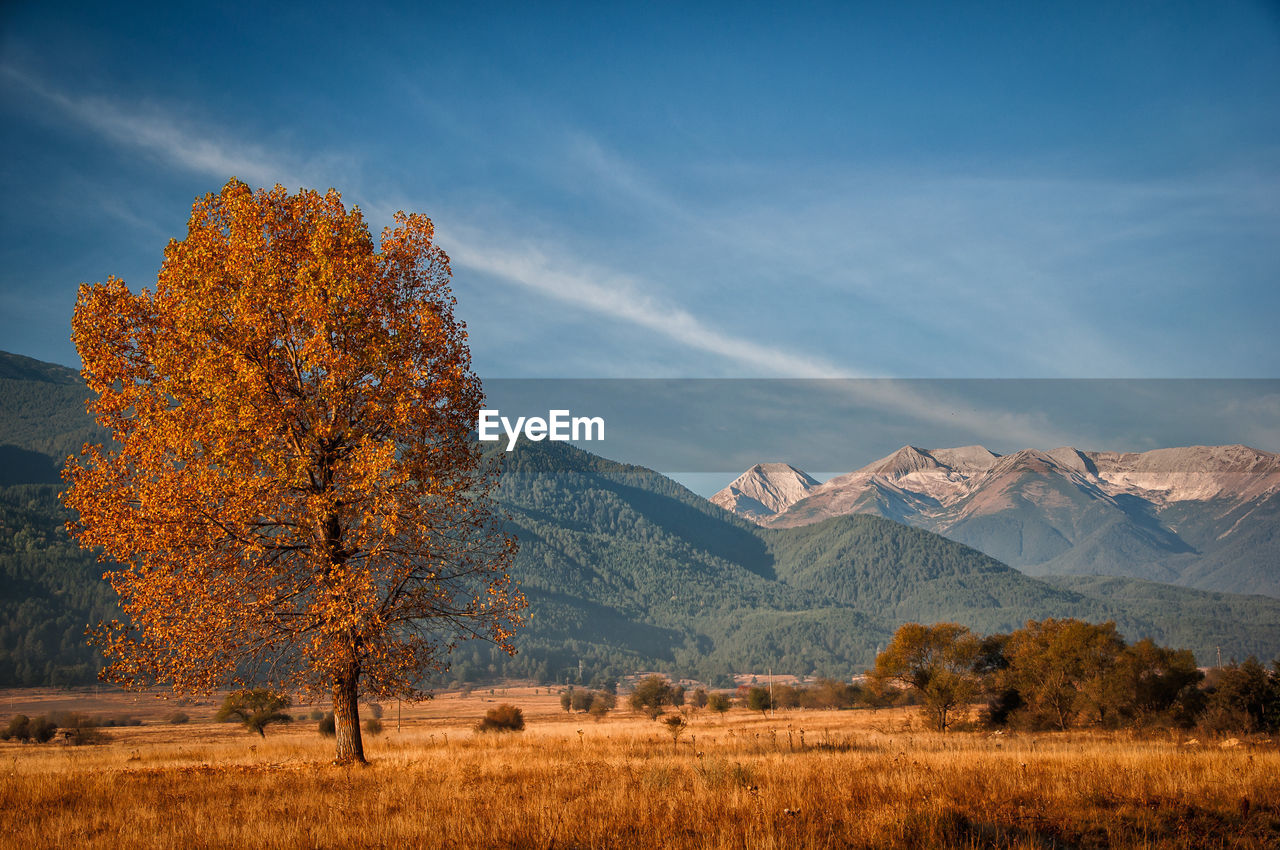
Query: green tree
point(581, 699)
point(43, 729)
point(758, 699)
point(1244, 697)
point(718, 702)
point(256, 709)
point(1062, 669)
point(601, 704)
point(937, 663)
point(1151, 683)
point(651, 694)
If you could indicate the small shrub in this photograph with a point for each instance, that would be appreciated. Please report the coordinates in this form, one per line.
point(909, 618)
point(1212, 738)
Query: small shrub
point(719, 703)
point(1001, 705)
point(42, 729)
point(676, 725)
point(19, 729)
point(375, 709)
point(179, 717)
point(504, 718)
point(373, 726)
point(317, 714)
point(600, 705)
point(85, 735)
point(79, 729)
point(327, 727)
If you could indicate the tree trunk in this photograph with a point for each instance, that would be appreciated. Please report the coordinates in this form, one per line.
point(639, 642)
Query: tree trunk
point(346, 721)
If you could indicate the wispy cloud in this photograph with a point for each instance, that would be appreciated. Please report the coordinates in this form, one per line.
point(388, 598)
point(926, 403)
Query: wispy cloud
point(159, 132)
point(622, 297)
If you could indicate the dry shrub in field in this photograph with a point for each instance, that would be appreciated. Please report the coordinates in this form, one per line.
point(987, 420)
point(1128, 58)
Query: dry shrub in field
point(504, 718)
point(676, 725)
point(373, 726)
point(23, 728)
point(327, 726)
point(82, 729)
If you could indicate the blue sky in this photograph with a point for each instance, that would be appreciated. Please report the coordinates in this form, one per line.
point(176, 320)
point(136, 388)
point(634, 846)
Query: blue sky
point(863, 190)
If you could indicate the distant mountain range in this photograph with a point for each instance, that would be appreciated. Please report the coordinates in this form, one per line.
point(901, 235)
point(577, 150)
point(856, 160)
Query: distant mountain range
point(1201, 516)
point(624, 569)
point(623, 563)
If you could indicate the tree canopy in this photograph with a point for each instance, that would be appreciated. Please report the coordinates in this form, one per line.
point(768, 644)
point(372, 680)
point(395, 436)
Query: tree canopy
point(937, 662)
point(292, 494)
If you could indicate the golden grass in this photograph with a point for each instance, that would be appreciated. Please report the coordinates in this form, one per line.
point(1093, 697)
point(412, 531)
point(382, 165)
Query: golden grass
point(800, 779)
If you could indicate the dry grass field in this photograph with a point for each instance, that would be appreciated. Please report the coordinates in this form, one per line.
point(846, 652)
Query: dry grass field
point(798, 779)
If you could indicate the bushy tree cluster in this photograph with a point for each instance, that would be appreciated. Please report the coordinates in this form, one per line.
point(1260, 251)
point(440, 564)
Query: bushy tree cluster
point(595, 703)
point(1243, 697)
point(824, 693)
point(1066, 673)
point(75, 728)
point(23, 728)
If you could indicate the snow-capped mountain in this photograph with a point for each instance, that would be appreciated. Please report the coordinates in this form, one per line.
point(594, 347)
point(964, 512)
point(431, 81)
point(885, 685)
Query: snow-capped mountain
point(1205, 516)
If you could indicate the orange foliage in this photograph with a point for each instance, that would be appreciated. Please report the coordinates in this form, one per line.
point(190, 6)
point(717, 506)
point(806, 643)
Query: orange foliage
point(293, 494)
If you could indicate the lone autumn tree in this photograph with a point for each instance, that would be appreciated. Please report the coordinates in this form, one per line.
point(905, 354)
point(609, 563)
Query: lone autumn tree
point(293, 498)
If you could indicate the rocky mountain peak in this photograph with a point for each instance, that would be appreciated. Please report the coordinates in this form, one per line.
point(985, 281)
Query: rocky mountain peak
point(904, 461)
point(765, 489)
